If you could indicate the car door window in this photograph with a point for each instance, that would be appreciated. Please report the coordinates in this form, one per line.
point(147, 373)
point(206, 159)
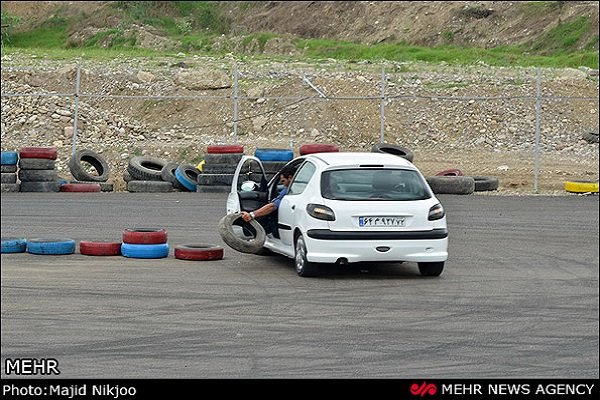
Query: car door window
point(303, 176)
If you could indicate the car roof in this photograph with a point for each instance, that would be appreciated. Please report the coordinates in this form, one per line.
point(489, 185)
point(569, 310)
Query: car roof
point(335, 159)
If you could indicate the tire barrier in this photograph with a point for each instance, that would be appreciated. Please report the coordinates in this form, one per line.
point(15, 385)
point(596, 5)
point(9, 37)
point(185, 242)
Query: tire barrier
point(149, 186)
point(36, 163)
point(95, 160)
point(38, 175)
point(451, 184)
point(9, 158)
point(10, 187)
point(8, 169)
point(222, 158)
point(393, 149)
point(581, 187)
point(46, 153)
point(144, 236)
point(168, 175)
point(245, 237)
point(145, 250)
point(450, 172)
point(104, 186)
point(486, 183)
point(80, 187)
point(224, 148)
point(267, 154)
point(215, 179)
point(198, 252)
point(39, 187)
point(219, 169)
point(14, 245)
point(312, 148)
point(50, 246)
point(90, 248)
point(37, 169)
point(146, 168)
point(213, 188)
point(8, 177)
point(187, 175)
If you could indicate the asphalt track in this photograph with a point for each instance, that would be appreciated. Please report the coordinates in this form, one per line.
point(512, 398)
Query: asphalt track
point(518, 297)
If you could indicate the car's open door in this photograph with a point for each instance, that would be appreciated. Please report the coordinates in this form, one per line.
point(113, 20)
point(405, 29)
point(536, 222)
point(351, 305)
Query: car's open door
point(249, 189)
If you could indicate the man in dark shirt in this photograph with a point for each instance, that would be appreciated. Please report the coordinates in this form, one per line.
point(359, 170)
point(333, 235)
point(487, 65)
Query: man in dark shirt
point(267, 214)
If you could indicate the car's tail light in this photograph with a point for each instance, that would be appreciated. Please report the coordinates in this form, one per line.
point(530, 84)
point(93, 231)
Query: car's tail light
point(436, 212)
point(320, 212)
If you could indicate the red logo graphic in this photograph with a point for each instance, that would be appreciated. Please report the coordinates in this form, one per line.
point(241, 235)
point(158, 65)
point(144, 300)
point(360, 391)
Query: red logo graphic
point(423, 389)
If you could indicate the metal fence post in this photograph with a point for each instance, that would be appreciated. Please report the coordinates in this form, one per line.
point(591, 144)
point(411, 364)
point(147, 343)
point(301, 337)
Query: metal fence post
point(235, 103)
point(76, 112)
point(382, 105)
point(537, 130)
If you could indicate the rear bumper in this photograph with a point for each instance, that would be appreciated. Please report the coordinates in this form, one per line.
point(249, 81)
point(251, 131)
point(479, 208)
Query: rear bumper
point(325, 246)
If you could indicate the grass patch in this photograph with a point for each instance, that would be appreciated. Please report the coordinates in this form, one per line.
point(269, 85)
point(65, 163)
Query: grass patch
point(564, 37)
point(51, 34)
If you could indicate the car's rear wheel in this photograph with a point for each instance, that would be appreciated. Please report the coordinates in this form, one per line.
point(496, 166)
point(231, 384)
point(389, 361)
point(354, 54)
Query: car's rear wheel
point(304, 267)
point(431, 268)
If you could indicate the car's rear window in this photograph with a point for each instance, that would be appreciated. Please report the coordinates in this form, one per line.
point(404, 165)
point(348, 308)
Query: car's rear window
point(373, 184)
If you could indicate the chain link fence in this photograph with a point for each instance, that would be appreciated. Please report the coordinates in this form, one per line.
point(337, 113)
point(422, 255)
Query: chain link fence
point(447, 115)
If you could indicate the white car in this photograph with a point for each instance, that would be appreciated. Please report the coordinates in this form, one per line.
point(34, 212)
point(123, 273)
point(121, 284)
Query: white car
point(346, 208)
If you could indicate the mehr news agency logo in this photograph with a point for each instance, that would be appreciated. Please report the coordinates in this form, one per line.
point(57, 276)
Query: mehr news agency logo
point(425, 389)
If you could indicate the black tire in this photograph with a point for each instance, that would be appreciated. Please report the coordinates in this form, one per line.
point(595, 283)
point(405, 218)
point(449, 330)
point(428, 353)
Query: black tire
point(127, 176)
point(187, 175)
point(222, 158)
point(393, 149)
point(9, 187)
point(149, 186)
point(213, 189)
point(304, 268)
point(219, 168)
point(273, 166)
point(8, 178)
point(39, 186)
point(431, 268)
point(8, 169)
point(168, 175)
point(215, 179)
point(36, 163)
point(92, 158)
point(451, 184)
point(146, 168)
point(590, 137)
point(252, 244)
point(38, 175)
point(485, 183)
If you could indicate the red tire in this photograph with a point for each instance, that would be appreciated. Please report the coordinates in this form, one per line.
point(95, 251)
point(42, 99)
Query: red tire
point(224, 148)
point(318, 148)
point(144, 236)
point(450, 172)
point(100, 248)
point(47, 153)
point(80, 187)
point(198, 252)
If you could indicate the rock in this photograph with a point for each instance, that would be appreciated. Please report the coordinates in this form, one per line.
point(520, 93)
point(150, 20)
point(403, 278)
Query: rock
point(145, 77)
point(203, 80)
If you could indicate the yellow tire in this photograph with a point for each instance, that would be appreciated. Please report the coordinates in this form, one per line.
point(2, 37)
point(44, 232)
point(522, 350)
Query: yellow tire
point(581, 187)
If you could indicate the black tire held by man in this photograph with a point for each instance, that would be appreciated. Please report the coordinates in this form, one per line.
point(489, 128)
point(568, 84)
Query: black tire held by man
point(253, 244)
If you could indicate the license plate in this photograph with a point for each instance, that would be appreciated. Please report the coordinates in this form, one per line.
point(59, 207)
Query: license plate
point(381, 221)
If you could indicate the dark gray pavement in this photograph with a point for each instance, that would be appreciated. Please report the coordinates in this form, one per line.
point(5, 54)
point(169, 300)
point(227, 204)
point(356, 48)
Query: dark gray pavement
point(518, 298)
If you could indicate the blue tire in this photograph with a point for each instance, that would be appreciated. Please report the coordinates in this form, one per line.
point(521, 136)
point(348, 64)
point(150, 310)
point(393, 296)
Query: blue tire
point(51, 246)
point(274, 154)
point(9, 158)
point(14, 245)
point(184, 174)
point(145, 250)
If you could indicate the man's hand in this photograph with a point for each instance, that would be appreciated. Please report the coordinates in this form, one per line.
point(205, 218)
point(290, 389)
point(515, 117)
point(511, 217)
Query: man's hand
point(246, 216)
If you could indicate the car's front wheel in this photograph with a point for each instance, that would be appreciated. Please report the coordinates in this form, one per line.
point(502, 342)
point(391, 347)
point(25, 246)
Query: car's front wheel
point(304, 267)
point(431, 268)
